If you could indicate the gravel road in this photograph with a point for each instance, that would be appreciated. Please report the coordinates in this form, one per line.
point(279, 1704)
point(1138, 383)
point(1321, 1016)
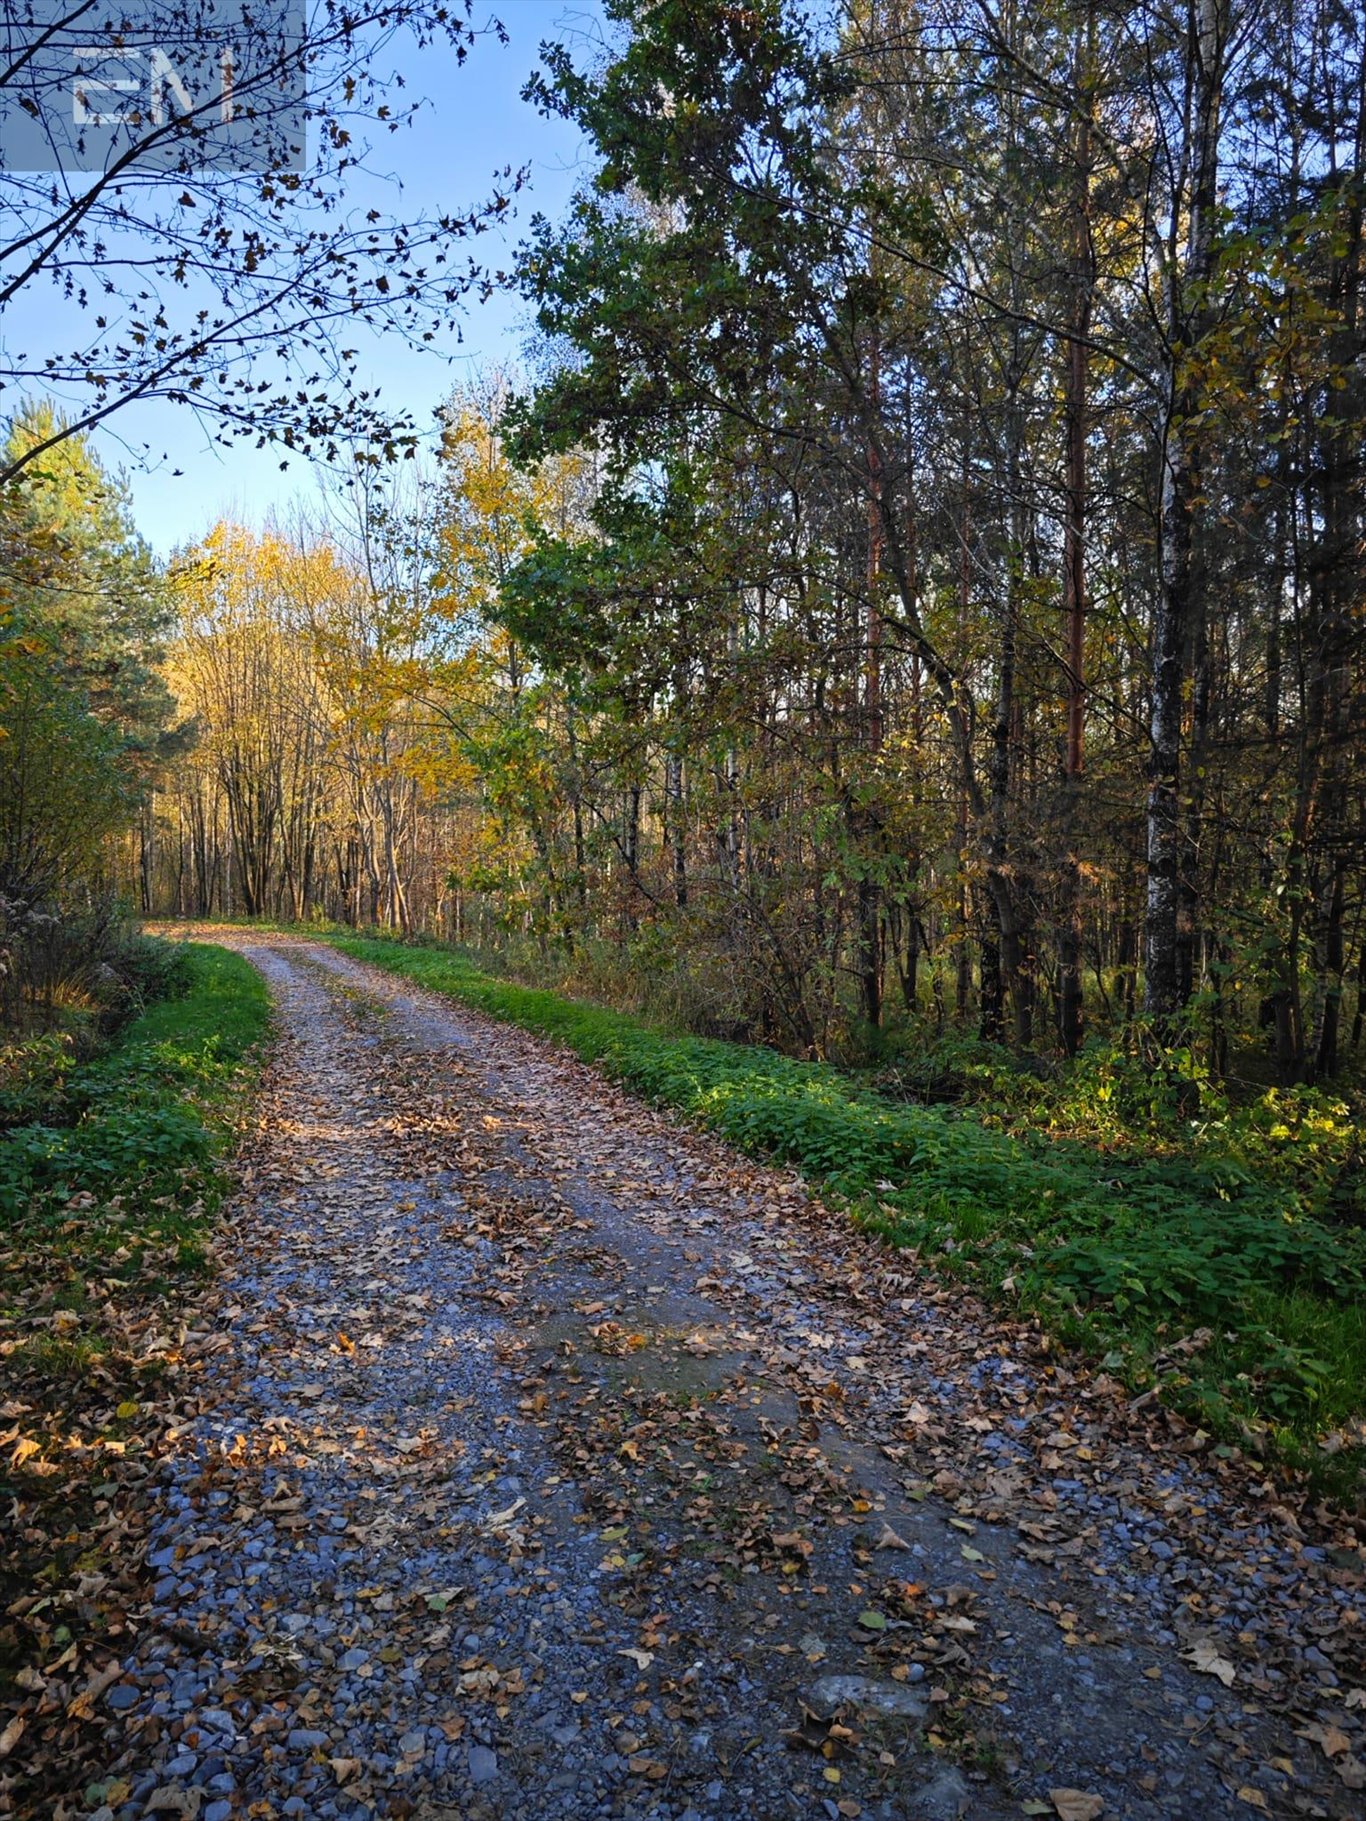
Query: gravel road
point(554, 1461)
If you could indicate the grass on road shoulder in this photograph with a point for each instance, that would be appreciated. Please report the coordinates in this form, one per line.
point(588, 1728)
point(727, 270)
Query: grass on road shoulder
point(1182, 1266)
point(132, 1135)
point(110, 1172)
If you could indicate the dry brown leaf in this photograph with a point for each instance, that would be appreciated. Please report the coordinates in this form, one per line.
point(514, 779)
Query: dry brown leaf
point(1076, 1804)
point(168, 1800)
point(1332, 1738)
point(1206, 1659)
point(83, 1705)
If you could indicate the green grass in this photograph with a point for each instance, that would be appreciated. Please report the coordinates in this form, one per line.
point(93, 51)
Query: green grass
point(126, 1155)
point(110, 1172)
point(1184, 1263)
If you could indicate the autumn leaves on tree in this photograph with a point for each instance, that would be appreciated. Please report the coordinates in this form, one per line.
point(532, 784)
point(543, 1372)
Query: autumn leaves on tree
point(918, 585)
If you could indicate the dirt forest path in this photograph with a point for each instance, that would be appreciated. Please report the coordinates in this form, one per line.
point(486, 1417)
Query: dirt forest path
point(552, 1461)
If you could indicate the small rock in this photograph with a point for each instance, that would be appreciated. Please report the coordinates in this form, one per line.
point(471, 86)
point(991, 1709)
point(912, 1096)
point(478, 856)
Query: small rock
point(304, 1738)
point(833, 1692)
point(122, 1697)
point(944, 1799)
point(483, 1764)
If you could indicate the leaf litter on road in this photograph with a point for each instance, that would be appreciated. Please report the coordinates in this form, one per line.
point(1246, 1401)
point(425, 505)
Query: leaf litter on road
point(535, 1442)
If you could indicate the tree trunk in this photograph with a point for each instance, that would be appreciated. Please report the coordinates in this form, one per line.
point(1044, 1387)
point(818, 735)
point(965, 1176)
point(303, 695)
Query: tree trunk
point(1070, 993)
point(1180, 600)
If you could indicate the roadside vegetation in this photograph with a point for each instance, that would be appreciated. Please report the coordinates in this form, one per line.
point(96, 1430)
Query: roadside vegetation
point(111, 1155)
point(1221, 1259)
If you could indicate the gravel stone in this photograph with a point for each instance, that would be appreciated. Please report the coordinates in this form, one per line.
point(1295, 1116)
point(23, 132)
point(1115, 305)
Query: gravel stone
point(833, 1692)
point(483, 1764)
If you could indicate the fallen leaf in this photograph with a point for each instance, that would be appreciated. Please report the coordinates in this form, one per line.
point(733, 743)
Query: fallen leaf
point(83, 1706)
point(1076, 1804)
point(890, 1540)
point(1332, 1738)
point(1206, 1659)
point(168, 1800)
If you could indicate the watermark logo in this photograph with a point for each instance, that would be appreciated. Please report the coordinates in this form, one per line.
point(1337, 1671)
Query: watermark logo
point(162, 85)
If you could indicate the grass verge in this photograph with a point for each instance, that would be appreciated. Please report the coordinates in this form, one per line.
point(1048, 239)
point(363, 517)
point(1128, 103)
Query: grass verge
point(131, 1136)
point(105, 1204)
point(1179, 1266)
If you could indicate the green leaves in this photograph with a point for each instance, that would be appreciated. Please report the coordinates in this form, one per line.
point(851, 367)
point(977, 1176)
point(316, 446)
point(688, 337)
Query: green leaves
point(138, 1124)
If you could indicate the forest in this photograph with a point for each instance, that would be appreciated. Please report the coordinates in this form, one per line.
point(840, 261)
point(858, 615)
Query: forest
point(916, 583)
point(950, 608)
point(846, 748)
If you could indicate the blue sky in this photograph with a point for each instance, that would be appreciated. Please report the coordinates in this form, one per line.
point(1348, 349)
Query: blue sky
point(475, 124)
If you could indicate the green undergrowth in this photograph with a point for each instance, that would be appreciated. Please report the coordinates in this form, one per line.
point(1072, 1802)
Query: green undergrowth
point(1199, 1264)
point(109, 1157)
point(111, 1166)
